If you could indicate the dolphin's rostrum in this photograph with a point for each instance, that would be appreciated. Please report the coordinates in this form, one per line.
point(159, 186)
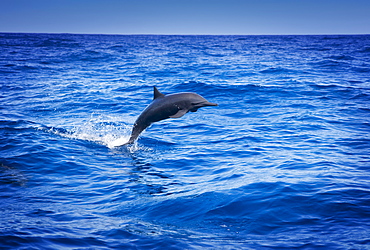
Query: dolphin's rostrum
point(167, 106)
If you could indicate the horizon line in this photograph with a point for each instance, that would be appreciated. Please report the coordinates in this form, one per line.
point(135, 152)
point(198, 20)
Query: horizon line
point(195, 34)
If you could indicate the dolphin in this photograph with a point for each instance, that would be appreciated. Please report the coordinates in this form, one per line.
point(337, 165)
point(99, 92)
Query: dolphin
point(167, 106)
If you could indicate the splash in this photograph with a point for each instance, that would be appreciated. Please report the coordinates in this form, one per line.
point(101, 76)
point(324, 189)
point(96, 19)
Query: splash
point(109, 131)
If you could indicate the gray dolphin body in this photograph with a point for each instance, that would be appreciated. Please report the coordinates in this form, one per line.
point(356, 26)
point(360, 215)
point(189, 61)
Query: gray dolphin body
point(167, 106)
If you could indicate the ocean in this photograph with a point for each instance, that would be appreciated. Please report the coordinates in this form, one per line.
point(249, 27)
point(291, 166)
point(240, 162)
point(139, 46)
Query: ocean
point(282, 163)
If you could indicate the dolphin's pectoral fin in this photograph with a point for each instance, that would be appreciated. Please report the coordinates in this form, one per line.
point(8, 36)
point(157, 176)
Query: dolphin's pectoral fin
point(193, 110)
point(179, 113)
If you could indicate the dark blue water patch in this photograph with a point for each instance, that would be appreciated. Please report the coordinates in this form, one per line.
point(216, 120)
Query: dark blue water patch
point(257, 215)
point(361, 69)
point(342, 58)
point(329, 64)
point(276, 71)
point(365, 50)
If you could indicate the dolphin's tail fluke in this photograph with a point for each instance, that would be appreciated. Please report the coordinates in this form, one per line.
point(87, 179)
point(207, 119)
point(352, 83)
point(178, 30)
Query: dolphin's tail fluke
point(128, 143)
point(131, 140)
point(136, 131)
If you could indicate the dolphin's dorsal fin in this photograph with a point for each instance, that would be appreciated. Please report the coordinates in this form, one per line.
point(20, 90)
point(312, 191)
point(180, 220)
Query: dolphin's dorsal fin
point(157, 93)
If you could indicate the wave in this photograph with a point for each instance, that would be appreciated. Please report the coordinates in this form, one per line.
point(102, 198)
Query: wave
point(330, 63)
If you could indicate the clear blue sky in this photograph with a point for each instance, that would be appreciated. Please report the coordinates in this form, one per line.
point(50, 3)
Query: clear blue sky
point(186, 16)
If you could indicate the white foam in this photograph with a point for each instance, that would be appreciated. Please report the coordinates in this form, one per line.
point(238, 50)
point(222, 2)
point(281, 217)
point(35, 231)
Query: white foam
point(109, 131)
point(117, 142)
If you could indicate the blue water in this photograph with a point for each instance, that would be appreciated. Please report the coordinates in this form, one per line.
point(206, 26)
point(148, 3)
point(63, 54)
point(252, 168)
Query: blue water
point(282, 163)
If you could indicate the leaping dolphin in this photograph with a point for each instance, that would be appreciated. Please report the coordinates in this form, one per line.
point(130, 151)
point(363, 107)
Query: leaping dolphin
point(167, 106)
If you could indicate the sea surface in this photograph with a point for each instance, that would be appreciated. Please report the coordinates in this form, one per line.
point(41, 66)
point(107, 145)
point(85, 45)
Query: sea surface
point(282, 163)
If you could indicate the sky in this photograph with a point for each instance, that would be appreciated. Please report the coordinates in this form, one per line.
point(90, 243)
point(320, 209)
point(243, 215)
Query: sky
point(207, 17)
